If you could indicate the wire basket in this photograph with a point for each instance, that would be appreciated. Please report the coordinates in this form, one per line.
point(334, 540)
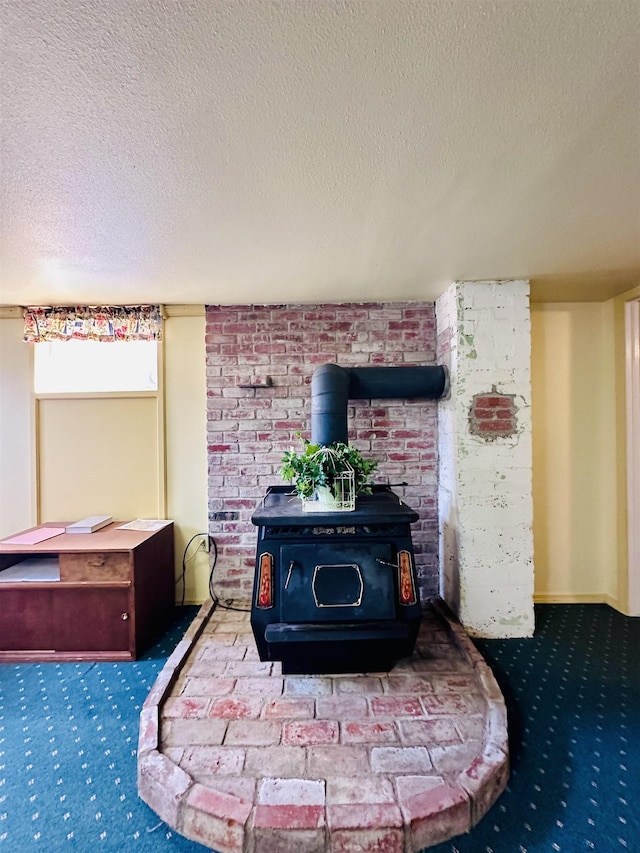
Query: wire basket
point(341, 497)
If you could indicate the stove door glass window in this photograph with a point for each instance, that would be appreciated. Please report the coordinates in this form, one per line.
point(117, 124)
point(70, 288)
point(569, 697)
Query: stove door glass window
point(337, 586)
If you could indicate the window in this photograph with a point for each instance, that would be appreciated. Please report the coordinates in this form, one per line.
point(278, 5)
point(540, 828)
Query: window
point(62, 367)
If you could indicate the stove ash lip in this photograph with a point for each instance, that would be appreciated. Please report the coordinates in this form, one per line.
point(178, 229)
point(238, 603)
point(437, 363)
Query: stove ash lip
point(333, 386)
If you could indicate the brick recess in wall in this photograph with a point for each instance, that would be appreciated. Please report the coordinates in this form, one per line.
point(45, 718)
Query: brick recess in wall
point(249, 428)
point(493, 415)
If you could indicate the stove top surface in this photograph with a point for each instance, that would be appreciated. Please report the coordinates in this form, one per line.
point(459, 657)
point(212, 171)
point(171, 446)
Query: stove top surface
point(280, 505)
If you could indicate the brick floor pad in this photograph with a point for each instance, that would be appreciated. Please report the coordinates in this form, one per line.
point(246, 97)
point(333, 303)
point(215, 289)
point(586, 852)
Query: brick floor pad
point(242, 759)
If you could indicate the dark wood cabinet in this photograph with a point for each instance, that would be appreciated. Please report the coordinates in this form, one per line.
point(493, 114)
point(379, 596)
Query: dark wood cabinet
point(113, 594)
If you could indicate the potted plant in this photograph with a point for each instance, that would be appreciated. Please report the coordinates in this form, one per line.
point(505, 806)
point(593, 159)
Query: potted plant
point(328, 478)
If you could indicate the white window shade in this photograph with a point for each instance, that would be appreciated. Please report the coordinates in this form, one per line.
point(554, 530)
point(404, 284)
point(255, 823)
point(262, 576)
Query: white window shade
point(91, 366)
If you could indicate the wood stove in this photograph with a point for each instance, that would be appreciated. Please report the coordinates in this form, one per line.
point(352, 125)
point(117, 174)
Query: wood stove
point(335, 591)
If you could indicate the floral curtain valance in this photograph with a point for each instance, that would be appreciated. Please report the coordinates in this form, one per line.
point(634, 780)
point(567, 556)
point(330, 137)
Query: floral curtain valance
point(109, 323)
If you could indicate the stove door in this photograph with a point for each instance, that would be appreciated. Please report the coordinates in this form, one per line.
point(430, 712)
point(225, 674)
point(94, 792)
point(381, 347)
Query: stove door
point(337, 582)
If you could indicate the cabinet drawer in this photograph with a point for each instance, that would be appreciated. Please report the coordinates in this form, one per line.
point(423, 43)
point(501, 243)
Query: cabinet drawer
point(97, 566)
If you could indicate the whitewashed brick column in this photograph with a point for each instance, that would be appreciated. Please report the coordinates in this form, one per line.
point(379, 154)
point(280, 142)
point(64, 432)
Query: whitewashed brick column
point(484, 433)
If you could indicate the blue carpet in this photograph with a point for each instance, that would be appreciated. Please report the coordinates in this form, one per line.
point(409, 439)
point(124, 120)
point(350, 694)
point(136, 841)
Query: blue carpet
point(68, 742)
point(68, 738)
point(573, 700)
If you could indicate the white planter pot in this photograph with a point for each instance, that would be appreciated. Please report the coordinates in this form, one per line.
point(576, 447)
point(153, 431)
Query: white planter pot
point(324, 500)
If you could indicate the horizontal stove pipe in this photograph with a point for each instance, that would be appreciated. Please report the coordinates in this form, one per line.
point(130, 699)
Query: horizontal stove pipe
point(333, 386)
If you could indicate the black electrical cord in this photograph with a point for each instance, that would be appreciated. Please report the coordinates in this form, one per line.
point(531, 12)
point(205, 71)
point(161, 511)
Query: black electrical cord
point(183, 577)
point(211, 546)
point(214, 596)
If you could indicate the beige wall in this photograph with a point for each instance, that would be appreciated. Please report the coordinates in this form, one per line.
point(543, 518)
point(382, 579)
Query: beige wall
point(185, 433)
point(578, 445)
point(574, 452)
point(618, 320)
point(186, 443)
point(17, 476)
point(99, 456)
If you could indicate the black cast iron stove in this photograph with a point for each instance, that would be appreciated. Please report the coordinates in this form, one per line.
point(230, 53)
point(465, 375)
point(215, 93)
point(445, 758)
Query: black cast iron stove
point(335, 591)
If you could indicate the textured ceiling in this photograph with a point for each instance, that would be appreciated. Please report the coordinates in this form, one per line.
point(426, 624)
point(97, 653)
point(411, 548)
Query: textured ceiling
point(317, 150)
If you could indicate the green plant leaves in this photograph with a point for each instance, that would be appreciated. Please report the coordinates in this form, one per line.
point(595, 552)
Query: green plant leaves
point(316, 466)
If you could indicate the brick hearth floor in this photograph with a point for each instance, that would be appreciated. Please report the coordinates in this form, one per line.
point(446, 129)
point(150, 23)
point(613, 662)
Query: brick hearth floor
point(242, 759)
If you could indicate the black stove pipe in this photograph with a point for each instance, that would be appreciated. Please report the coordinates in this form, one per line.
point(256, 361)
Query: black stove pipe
point(332, 387)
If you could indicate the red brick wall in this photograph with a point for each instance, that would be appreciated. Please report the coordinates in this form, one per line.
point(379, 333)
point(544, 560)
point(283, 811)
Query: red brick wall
point(493, 415)
point(248, 429)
